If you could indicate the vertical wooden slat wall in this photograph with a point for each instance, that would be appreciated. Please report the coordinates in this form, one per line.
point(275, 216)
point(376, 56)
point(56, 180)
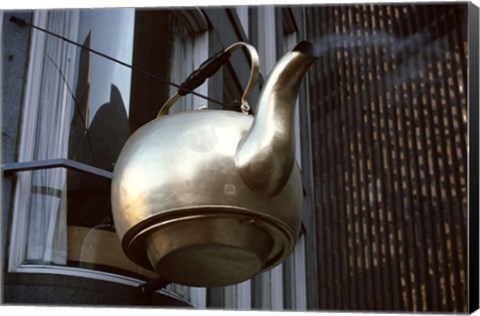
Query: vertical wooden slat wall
point(389, 131)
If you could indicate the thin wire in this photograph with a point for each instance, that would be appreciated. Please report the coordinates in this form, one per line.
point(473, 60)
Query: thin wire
point(22, 22)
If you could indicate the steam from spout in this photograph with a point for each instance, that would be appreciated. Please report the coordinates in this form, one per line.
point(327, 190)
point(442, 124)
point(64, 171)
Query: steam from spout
point(409, 54)
point(379, 39)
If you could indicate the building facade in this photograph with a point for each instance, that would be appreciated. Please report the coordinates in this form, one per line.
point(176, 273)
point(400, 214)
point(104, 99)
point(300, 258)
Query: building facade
point(381, 134)
point(389, 134)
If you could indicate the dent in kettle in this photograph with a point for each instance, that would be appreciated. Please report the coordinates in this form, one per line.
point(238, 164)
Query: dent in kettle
point(229, 189)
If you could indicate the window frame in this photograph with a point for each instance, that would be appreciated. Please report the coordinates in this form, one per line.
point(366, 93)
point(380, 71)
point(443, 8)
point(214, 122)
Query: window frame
point(30, 105)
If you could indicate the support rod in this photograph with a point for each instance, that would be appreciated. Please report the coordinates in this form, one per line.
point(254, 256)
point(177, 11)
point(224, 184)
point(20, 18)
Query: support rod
point(13, 167)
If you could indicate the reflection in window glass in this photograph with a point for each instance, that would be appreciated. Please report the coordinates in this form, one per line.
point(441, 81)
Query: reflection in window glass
point(99, 125)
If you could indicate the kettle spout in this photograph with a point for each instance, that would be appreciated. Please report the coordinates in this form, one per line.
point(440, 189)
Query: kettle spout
point(266, 155)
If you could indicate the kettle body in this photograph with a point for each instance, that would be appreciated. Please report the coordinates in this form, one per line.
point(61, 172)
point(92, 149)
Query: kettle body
point(183, 209)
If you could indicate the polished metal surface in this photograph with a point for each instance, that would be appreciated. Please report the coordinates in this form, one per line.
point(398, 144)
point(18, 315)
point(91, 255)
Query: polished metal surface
point(193, 196)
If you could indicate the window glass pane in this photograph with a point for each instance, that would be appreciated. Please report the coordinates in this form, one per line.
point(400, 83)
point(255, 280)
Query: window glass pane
point(83, 115)
point(99, 124)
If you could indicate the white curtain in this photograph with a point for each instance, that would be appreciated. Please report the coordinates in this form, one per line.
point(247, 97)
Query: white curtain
point(47, 236)
point(181, 61)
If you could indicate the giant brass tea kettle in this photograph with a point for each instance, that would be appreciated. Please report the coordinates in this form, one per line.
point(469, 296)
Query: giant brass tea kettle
point(209, 197)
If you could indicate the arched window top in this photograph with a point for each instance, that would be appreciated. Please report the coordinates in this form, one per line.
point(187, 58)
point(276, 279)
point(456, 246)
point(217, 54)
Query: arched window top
point(193, 19)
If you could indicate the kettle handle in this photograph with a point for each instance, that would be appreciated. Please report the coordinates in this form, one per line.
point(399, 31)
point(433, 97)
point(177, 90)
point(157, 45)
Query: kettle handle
point(210, 67)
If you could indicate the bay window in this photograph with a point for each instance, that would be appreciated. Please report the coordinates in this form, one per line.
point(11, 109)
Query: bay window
point(80, 108)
